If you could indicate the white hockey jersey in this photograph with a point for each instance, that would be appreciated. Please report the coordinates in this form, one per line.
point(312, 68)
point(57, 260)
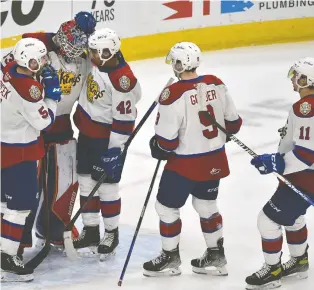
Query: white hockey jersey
point(71, 77)
point(24, 113)
point(181, 127)
point(298, 144)
point(107, 104)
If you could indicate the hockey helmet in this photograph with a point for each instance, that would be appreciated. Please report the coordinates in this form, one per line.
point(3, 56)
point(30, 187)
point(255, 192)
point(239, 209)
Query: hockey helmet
point(303, 68)
point(30, 53)
point(105, 42)
point(184, 56)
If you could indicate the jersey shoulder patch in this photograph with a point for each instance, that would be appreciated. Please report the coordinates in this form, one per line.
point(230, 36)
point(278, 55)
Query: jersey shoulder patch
point(123, 79)
point(174, 92)
point(212, 80)
point(304, 108)
point(29, 89)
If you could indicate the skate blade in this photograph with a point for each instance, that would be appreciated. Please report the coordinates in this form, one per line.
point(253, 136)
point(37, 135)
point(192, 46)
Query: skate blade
point(105, 257)
point(214, 271)
point(271, 285)
point(11, 277)
point(163, 273)
point(89, 252)
point(299, 275)
point(40, 243)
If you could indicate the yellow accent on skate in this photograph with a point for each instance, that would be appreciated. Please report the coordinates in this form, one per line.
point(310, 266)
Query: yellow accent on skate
point(304, 261)
point(276, 272)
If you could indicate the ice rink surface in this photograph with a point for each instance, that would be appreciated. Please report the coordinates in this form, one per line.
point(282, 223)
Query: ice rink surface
point(256, 78)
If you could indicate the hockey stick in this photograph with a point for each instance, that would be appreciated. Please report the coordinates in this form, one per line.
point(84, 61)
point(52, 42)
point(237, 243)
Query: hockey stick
point(139, 223)
point(43, 253)
point(200, 92)
point(67, 235)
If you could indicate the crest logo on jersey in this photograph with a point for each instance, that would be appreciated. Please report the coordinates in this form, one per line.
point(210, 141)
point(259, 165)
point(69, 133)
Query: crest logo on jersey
point(164, 95)
point(35, 92)
point(93, 91)
point(67, 80)
point(124, 82)
point(305, 108)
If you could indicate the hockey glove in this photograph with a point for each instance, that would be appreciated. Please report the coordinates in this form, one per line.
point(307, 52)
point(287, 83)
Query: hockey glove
point(157, 152)
point(268, 163)
point(51, 83)
point(111, 163)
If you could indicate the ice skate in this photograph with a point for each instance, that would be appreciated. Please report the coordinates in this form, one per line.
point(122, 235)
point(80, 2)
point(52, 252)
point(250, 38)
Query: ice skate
point(166, 264)
point(213, 261)
point(107, 246)
point(13, 269)
point(266, 278)
point(87, 242)
point(297, 265)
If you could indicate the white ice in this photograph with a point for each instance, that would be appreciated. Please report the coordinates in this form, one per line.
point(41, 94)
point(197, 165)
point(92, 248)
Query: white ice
point(256, 77)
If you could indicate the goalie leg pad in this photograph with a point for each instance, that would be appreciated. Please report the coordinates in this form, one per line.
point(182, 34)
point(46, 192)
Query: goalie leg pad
point(62, 185)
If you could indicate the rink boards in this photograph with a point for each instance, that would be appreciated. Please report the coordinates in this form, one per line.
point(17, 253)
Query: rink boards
point(150, 28)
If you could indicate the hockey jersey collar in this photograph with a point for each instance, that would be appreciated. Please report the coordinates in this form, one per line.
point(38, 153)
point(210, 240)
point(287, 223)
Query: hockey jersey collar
point(308, 96)
point(200, 78)
point(14, 73)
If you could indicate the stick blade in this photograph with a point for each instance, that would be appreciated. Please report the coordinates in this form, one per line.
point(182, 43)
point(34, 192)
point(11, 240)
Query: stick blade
point(69, 247)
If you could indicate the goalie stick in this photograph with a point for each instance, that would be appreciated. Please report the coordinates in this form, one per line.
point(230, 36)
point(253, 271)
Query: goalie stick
point(201, 93)
point(43, 253)
point(67, 235)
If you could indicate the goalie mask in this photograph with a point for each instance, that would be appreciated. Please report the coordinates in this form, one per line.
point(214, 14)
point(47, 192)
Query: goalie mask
point(303, 72)
point(72, 36)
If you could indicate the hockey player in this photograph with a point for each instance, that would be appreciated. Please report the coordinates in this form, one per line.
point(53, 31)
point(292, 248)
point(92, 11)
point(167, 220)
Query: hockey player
point(294, 159)
point(105, 118)
point(66, 52)
point(24, 113)
point(196, 160)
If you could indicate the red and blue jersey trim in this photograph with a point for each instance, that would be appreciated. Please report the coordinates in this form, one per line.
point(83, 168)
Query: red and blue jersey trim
point(14, 153)
point(89, 127)
point(305, 155)
point(122, 127)
point(167, 144)
point(233, 127)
